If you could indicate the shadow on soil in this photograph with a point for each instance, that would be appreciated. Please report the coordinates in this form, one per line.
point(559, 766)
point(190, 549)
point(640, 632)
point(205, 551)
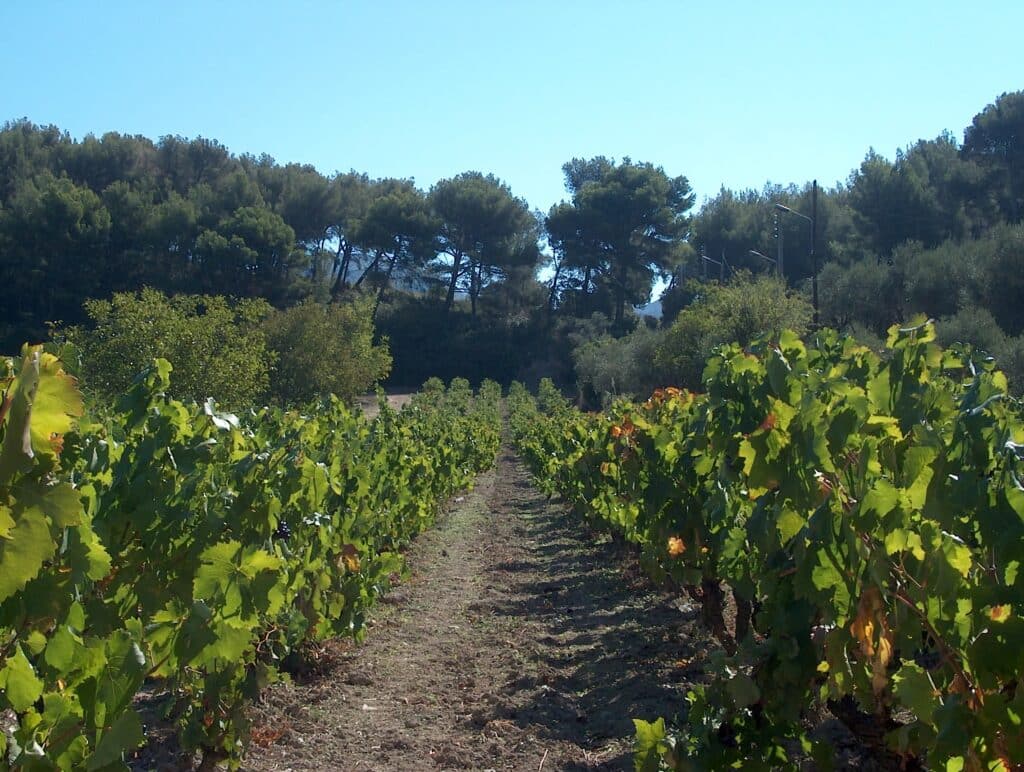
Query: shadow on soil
point(609, 647)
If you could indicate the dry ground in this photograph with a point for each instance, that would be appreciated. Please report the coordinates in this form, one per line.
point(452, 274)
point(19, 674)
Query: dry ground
point(368, 402)
point(520, 642)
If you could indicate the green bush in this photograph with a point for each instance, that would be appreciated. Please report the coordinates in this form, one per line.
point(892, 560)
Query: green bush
point(325, 349)
point(736, 312)
point(611, 367)
point(978, 327)
point(216, 345)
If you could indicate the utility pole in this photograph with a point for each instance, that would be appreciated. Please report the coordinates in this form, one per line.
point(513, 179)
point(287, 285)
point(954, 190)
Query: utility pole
point(813, 220)
point(814, 254)
point(778, 245)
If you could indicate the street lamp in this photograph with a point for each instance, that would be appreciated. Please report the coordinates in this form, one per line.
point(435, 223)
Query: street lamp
point(814, 257)
point(772, 260)
point(722, 265)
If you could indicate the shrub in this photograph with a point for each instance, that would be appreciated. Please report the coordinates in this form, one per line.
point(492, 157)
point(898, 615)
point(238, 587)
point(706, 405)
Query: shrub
point(325, 349)
point(735, 312)
point(611, 367)
point(215, 345)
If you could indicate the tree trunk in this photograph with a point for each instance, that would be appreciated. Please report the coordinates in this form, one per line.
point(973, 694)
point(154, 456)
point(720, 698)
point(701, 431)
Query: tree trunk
point(474, 287)
point(452, 285)
point(553, 294)
point(383, 286)
point(342, 260)
point(744, 616)
point(713, 613)
point(583, 306)
point(371, 267)
point(620, 300)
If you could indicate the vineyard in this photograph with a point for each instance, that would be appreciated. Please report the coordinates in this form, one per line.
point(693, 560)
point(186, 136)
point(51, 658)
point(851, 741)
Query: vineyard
point(852, 527)
point(152, 542)
point(849, 526)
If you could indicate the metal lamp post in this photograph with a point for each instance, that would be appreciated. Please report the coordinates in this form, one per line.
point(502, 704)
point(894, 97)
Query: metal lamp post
point(772, 260)
point(722, 265)
point(814, 257)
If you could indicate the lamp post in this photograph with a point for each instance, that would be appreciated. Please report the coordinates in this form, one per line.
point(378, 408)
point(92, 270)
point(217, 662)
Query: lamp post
point(722, 265)
point(772, 260)
point(814, 257)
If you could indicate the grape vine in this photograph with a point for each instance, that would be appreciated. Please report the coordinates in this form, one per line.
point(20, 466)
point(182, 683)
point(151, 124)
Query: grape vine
point(154, 541)
point(866, 513)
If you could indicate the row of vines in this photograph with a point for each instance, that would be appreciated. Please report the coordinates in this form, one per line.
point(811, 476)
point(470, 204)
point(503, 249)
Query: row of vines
point(866, 514)
point(167, 547)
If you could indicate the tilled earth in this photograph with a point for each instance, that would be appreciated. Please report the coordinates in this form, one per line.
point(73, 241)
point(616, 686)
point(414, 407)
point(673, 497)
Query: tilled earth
point(519, 642)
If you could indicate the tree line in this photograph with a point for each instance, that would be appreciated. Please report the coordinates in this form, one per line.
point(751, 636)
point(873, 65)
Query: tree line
point(453, 273)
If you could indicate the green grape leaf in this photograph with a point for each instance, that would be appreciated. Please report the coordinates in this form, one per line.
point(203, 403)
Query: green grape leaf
point(229, 642)
point(918, 474)
point(123, 735)
point(743, 690)
point(87, 553)
point(60, 503)
point(6, 522)
point(18, 681)
point(900, 540)
point(826, 578)
point(60, 650)
point(789, 524)
point(23, 553)
point(16, 448)
point(957, 555)
point(913, 688)
point(217, 577)
point(56, 405)
point(879, 392)
point(35, 642)
point(649, 744)
point(882, 499)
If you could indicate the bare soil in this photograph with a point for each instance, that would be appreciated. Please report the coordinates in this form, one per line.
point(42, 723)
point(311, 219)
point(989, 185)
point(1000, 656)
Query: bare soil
point(370, 407)
point(519, 642)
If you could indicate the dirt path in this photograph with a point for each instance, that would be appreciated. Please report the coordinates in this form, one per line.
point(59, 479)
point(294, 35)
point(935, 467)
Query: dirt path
point(519, 643)
point(370, 407)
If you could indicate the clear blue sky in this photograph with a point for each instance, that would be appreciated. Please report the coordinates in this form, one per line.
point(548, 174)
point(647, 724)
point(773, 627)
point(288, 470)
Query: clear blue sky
point(727, 93)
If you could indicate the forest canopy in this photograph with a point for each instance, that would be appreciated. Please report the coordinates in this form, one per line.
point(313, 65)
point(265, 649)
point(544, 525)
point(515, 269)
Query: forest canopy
point(464, 278)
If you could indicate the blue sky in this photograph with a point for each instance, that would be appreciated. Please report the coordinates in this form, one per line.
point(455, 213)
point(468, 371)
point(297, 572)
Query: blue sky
point(726, 93)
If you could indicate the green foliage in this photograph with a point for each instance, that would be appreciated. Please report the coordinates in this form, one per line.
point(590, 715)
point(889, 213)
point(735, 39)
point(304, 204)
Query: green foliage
point(218, 346)
point(613, 367)
point(426, 341)
point(325, 349)
point(484, 230)
point(738, 311)
point(936, 229)
point(866, 513)
point(974, 286)
point(994, 141)
point(400, 231)
point(977, 327)
point(195, 548)
point(868, 292)
point(626, 223)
